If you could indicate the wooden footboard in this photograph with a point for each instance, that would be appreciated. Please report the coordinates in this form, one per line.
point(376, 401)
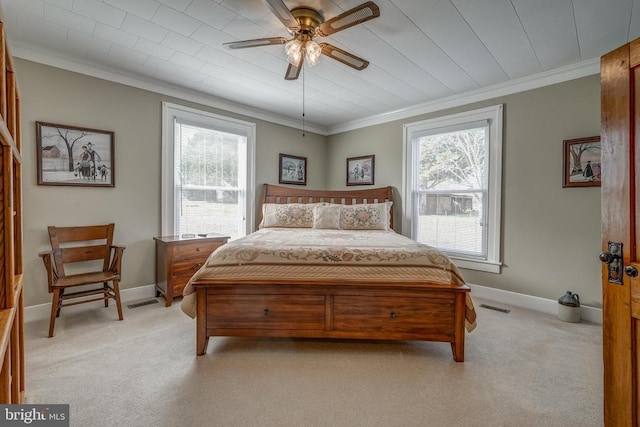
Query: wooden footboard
point(419, 312)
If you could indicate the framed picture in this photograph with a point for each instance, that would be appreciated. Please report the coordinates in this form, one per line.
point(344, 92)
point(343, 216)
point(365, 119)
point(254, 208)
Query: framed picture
point(293, 169)
point(360, 170)
point(74, 156)
point(582, 167)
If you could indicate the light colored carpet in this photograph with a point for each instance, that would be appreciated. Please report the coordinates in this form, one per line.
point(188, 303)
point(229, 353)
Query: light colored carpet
point(522, 369)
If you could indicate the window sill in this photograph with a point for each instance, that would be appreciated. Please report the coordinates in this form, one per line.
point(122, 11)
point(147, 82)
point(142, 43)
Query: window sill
point(474, 264)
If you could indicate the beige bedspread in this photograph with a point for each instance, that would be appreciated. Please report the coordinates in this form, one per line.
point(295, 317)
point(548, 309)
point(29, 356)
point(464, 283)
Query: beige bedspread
point(307, 254)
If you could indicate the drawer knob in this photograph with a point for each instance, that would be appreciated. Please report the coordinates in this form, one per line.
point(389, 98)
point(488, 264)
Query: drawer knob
point(199, 265)
point(197, 249)
point(265, 311)
point(393, 315)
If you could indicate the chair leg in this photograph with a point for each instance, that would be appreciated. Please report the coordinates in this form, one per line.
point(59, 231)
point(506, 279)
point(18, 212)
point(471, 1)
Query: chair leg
point(60, 298)
point(116, 291)
point(105, 289)
point(55, 311)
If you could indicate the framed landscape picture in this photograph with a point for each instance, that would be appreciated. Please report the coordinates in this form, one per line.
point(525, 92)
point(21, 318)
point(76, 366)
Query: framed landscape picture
point(74, 156)
point(360, 170)
point(582, 166)
point(293, 169)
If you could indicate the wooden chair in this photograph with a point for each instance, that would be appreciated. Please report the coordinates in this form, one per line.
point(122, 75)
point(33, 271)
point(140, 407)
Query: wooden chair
point(82, 245)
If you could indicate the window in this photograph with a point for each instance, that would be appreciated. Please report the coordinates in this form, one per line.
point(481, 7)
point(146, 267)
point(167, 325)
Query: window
point(207, 173)
point(452, 187)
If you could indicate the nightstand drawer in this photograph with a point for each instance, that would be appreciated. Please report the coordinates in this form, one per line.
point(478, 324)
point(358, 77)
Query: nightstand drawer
point(196, 249)
point(182, 269)
point(295, 312)
point(178, 283)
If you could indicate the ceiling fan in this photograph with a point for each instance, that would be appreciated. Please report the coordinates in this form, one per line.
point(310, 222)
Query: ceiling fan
point(304, 23)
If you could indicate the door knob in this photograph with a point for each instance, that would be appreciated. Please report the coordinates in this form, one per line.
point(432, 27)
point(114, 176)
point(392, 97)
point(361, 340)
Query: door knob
point(608, 257)
point(631, 271)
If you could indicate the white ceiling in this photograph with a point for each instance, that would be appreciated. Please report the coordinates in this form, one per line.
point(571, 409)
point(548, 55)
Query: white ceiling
point(422, 52)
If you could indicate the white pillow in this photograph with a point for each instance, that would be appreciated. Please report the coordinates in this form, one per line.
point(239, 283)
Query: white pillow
point(294, 215)
point(369, 216)
point(327, 216)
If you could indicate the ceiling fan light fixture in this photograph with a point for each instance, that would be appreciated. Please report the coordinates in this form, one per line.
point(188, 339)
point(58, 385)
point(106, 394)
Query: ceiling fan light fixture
point(313, 51)
point(293, 49)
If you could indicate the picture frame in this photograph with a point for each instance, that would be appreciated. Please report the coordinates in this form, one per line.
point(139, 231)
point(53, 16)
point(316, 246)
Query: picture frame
point(582, 165)
point(74, 156)
point(361, 170)
point(293, 169)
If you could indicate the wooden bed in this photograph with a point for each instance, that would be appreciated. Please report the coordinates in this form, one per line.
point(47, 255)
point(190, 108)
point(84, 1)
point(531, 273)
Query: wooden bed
point(331, 307)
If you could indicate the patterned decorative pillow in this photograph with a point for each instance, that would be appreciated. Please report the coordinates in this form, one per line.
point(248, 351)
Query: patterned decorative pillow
point(327, 216)
point(294, 215)
point(373, 216)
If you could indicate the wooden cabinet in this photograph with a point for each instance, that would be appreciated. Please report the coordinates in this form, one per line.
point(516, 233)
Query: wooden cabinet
point(178, 258)
point(11, 268)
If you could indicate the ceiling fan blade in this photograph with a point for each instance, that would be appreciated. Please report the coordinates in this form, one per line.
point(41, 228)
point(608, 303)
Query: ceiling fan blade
point(343, 56)
point(293, 71)
point(357, 15)
point(283, 13)
point(256, 42)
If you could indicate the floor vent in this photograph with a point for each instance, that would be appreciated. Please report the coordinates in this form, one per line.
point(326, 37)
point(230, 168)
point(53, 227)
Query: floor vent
point(140, 304)
point(490, 307)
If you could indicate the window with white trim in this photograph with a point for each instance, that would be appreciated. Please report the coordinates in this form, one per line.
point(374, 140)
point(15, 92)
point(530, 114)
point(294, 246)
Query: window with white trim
point(207, 173)
point(452, 188)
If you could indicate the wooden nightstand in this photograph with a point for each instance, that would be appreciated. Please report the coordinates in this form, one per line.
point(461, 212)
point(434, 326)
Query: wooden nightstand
point(177, 259)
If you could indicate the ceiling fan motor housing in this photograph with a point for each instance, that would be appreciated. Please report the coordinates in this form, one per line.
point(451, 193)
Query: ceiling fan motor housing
point(308, 18)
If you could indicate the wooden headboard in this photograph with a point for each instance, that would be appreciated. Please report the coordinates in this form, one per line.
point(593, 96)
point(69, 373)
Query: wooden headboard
point(278, 194)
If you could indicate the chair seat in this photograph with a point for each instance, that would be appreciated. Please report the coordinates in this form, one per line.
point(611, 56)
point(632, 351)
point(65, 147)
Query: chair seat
point(85, 279)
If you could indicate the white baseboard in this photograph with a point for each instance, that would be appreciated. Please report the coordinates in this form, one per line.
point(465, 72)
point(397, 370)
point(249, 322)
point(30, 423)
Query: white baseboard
point(590, 314)
point(43, 311)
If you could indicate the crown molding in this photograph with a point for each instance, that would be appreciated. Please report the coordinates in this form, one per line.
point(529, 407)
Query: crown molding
point(559, 75)
point(117, 76)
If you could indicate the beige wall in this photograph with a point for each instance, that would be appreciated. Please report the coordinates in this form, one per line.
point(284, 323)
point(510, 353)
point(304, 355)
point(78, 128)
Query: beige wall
point(53, 95)
point(551, 235)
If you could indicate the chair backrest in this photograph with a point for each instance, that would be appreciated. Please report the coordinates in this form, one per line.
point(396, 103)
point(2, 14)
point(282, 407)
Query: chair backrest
point(79, 244)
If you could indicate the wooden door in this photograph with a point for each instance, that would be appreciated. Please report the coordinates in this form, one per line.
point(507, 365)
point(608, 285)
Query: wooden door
point(620, 90)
